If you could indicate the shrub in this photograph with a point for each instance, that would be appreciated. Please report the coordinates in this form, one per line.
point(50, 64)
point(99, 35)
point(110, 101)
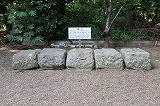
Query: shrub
point(36, 20)
point(117, 34)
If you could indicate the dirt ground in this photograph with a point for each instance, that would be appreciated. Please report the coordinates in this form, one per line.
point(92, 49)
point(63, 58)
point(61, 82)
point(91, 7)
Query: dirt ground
point(72, 87)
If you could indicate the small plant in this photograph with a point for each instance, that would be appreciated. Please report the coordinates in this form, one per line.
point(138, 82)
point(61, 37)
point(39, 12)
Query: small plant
point(146, 68)
point(117, 34)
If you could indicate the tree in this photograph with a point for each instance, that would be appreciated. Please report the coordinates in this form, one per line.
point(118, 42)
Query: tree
point(47, 18)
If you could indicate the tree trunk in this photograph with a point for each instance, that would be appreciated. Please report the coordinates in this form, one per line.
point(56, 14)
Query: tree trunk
point(106, 38)
point(106, 42)
point(109, 22)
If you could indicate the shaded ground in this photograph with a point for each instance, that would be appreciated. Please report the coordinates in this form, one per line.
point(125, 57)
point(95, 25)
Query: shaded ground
point(71, 87)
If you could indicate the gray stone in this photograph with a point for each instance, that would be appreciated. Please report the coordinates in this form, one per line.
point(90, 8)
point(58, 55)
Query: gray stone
point(108, 59)
point(81, 46)
point(136, 58)
point(52, 58)
point(72, 46)
point(25, 59)
point(89, 45)
point(80, 58)
point(54, 45)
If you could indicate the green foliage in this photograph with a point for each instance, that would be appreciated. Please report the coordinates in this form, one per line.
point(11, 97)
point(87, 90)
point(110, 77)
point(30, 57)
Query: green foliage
point(82, 15)
point(49, 19)
point(117, 34)
point(149, 10)
point(36, 20)
point(1, 19)
point(38, 39)
point(146, 68)
point(3, 9)
point(23, 24)
point(78, 14)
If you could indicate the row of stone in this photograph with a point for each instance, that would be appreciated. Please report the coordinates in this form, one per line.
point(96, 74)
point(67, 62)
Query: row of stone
point(82, 58)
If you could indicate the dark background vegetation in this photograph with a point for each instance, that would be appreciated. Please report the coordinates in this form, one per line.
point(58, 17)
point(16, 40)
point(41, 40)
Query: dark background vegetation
point(39, 20)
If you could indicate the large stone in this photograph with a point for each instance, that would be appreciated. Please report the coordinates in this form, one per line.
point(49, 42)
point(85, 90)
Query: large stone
point(80, 58)
point(108, 59)
point(25, 59)
point(52, 58)
point(136, 58)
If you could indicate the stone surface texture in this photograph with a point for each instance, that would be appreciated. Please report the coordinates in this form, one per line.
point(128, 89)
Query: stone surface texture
point(136, 58)
point(80, 58)
point(25, 59)
point(52, 58)
point(108, 59)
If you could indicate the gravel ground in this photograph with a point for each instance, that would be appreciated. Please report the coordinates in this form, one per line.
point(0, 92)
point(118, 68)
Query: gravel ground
point(71, 87)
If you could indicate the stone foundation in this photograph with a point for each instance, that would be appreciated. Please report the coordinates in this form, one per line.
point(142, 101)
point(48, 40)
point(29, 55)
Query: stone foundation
point(83, 58)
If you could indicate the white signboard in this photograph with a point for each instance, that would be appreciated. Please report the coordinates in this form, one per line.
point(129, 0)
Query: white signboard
point(79, 33)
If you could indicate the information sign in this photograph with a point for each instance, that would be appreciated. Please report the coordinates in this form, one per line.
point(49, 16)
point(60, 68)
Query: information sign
point(79, 33)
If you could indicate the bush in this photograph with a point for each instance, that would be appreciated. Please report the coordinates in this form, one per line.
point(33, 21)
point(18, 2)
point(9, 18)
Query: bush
point(36, 20)
point(117, 34)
